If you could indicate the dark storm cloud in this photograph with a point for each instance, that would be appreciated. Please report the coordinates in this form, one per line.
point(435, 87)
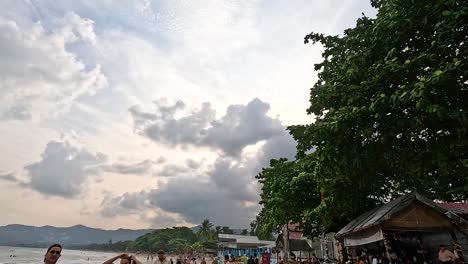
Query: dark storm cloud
point(196, 200)
point(62, 170)
point(242, 125)
point(227, 192)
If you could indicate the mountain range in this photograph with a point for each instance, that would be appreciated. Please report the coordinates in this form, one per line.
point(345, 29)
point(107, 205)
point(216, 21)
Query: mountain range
point(32, 236)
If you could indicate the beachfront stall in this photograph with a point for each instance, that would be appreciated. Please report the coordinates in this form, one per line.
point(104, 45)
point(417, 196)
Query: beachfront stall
point(408, 229)
point(299, 248)
point(240, 245)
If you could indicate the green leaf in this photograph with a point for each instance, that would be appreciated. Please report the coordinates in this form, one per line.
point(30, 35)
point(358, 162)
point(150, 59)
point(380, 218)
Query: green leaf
point(465, 163)
point(353, 151)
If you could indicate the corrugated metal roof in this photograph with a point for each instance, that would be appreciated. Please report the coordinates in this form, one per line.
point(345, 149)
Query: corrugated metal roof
point(241, 239)
point(294, 244)
point(458, 208)
point(383, 213)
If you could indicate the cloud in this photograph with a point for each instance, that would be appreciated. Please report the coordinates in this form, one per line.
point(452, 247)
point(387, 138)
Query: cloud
point(135, 168)
point(63, 170)
point(189, 167)
point(242, 125)
point(161, 160)
point(171, 170)
point(39, 77)
point(75, 28)
point(17, 112)
point(9, 177)
point(192, 164)
point(197, 199)
point(223, 52)
point(164, 219)
point(128, 203)
point(226, 191)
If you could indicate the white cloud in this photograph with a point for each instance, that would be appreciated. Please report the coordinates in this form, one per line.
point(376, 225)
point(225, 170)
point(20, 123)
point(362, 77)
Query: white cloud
point(75, 28)
point(39, 78)
point(57, 56)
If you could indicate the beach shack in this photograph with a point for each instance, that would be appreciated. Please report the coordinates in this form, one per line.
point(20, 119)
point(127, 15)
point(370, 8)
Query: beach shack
point(407, 229)
point(240, 245)
point(299, 246)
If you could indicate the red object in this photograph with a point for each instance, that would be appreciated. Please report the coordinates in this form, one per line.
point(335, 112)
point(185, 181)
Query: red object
point(294, 233)
point(266, 258)
point(458, 208)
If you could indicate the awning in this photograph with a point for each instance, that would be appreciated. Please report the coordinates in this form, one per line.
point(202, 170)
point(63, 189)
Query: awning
point(363, 237)
point(294, 244)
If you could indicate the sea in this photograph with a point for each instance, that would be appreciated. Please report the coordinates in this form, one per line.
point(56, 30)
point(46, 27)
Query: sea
point(17, 255)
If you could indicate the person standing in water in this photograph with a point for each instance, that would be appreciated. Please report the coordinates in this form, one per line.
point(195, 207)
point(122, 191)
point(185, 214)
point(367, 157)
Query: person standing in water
point(124, 259)
point(53, 254)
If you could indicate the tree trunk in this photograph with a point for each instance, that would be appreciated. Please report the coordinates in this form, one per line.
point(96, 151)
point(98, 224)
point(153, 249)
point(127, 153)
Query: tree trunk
point(287, 252)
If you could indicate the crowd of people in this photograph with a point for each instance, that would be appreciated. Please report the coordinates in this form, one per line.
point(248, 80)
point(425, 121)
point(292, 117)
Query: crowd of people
point(445, 256)
point(422, 256)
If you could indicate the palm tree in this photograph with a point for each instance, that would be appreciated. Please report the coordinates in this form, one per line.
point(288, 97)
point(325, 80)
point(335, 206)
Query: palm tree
point(205, 233)
point(197, 246)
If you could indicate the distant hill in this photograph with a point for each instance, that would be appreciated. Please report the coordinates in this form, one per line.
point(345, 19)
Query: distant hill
point(22, 235)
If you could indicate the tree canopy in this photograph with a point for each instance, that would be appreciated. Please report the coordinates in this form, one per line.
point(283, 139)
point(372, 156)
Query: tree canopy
point(168, 239)
point(391, 110)
point(288, 190)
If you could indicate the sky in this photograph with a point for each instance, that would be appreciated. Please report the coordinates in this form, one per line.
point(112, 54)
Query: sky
point(151, 114)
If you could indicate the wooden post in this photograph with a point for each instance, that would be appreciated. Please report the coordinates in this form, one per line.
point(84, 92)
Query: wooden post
point(387, 247)
point(286, 243)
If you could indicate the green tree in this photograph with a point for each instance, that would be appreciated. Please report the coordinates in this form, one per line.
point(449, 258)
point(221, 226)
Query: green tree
point(253, 227)
point(205, 233)
point(211, 244)
point(197, 246)
point(289, 190)
point(244, 232)
point(207, 237)
point(178, 245)
point(159, 239)
point(391, 111)
point(227, 230)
